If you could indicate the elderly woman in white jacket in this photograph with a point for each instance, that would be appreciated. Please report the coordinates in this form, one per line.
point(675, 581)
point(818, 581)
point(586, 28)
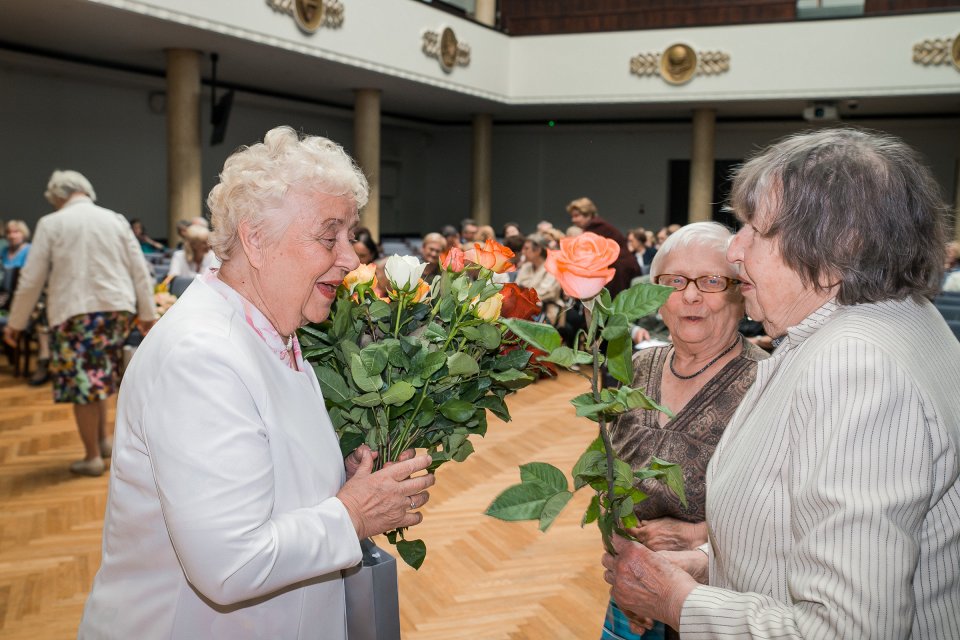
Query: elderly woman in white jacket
point(231, 512)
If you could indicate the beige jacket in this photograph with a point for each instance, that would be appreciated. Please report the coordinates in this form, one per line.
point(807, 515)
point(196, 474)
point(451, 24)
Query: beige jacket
point(89, 259)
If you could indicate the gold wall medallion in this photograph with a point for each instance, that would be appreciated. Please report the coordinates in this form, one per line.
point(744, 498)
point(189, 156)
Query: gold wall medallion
point(444, 46)
point(679, 63)
point(938, 51)
point(310, 15)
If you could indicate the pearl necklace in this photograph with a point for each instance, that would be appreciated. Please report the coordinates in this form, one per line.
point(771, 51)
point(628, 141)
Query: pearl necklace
point(706, 366)
point(289, 343)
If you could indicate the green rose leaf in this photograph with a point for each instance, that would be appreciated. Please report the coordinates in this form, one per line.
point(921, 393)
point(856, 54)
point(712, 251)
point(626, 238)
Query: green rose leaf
point(641, 300)
point(546, 474)
point(332, 385)
point(463, 451)
point(496, 405)
point(672, 477)
point(620, 358)
point(489, 337)
point(379, 310)
point(567, 357)
point(637, 399)
point(349, 442)
point(540, 335)
point(363, 380)
point(461, 364)
point(457, 410)
point(371, 399)
point(552, 509)
point(592, 512)
point(591, 465)
point(432, 363)
point(434, 333)
point(374, 359)
point(524, 501)
point(616, 327)
point(510, 375)
point(398, 393)
point(413, 552)
point(516, 359)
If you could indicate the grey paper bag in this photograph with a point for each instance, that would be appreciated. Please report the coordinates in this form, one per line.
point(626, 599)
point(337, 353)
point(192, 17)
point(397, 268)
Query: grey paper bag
point(373, 605)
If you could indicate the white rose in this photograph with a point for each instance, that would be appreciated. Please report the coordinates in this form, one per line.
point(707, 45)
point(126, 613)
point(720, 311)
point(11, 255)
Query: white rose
point(404, 272)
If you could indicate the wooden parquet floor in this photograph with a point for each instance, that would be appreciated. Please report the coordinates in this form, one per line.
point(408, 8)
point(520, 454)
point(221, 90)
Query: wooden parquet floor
point(482, 578)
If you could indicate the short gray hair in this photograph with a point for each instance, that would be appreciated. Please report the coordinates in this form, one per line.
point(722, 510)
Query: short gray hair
point(63, 184)
point(259, 177)
point(710, 236)
point(849, 207)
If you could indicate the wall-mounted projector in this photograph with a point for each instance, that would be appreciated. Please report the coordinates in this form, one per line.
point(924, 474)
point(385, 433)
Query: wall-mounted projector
point(821, 111)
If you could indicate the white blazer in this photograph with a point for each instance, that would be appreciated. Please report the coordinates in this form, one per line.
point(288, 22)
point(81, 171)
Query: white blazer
point(221, 520)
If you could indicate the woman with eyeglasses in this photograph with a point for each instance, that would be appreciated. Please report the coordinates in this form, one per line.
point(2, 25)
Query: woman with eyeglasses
point(701, 378)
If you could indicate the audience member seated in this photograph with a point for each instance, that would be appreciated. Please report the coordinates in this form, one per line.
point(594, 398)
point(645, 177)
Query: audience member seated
point(366, 248)
point(451, 236)
point(644, 252)
point(430, 249)
point(533, 274)
point(195, 257)
point(468, 231)
point(484, 233)
point(12, 258)
point(147, 244)
point(511, 229)
point(515, 244)
point(701, 379)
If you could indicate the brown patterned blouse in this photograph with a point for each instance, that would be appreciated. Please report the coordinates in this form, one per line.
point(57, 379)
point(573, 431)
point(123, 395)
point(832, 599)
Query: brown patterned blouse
point(690, 438)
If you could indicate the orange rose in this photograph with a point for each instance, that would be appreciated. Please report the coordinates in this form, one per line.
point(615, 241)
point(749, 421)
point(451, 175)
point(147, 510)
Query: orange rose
point(422, 290)
point(519, 302)
point(452, 259)
point(491, 255)
point(581, 264)
point(365, 274)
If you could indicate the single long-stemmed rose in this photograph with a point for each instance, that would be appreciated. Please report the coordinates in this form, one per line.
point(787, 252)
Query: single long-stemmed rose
point(582, 267)
point(420, 368)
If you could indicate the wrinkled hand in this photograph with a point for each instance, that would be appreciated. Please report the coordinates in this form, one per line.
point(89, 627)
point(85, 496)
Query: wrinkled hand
point(669, 534)
point(10, 335)
point(638, 624)
point(693, 561)
point(645, 583)
point(385, 500)
point(352, 462)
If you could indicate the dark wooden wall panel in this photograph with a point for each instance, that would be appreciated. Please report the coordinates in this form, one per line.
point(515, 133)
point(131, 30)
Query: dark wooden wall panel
point(533, 17)
point(880, 7)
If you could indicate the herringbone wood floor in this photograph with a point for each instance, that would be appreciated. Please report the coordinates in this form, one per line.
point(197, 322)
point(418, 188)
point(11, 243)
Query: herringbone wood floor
point(482, 578)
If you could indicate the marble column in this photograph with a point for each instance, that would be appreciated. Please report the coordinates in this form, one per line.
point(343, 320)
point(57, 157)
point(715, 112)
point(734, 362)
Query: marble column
point(486, 12)
point(184, 172)
point(482, 167)
point(701, 165)
point(366, 142)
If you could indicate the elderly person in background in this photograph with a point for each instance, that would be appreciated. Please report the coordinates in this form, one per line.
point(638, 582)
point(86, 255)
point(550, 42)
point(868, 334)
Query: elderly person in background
point(511, 229)
point(431, 247)
point(701, 378)
point(832, 498)
point(231, 511)
point(534, 275)
point(196, 256)
point(97, 281)
point(14, 255)
point(583, 214)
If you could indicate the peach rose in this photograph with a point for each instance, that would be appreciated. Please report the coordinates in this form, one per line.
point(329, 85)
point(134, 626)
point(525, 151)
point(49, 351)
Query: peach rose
point(581, 264)
point(489, 309)
point(491, 255)
point(422, 290)
point(452, 259)
point(364, 274)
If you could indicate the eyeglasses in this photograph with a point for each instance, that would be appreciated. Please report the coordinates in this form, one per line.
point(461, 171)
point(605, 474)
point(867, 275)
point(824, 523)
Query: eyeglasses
point(707, 284)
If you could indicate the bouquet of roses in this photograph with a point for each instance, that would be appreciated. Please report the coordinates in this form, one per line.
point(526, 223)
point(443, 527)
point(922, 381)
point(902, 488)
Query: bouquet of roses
point(581, 265)
point(420, 367)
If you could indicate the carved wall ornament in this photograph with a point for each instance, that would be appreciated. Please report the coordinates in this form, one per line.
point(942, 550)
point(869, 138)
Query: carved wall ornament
point(679, 63)
point(938, 51)
point(310, 15)
point(444, 46)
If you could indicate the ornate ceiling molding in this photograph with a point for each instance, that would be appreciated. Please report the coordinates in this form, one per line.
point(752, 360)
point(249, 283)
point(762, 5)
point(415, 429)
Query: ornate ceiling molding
point(938, 51)
point(443, 45)
point(680, 63)
point(310, 15)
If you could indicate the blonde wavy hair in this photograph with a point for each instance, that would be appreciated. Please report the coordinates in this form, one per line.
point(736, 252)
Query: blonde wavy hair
point(256, 179)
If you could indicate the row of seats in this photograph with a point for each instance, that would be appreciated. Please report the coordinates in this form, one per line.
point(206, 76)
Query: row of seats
point(948, 304)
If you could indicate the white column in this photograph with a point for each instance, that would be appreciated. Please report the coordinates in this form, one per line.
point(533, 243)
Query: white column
point(184, 177)
point(701, 165)
point(366, 142)
point(486, 12)
point(482, 167)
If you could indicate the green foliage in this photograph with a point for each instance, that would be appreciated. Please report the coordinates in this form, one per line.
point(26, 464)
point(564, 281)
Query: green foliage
point(406, 373)
point(543, 492)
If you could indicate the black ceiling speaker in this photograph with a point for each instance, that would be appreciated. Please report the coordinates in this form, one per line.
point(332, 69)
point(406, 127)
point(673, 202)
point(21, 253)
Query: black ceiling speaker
point(219, 109)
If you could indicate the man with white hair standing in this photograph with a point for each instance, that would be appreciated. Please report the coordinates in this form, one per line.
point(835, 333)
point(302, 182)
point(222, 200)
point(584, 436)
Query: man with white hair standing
point(97, 281)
